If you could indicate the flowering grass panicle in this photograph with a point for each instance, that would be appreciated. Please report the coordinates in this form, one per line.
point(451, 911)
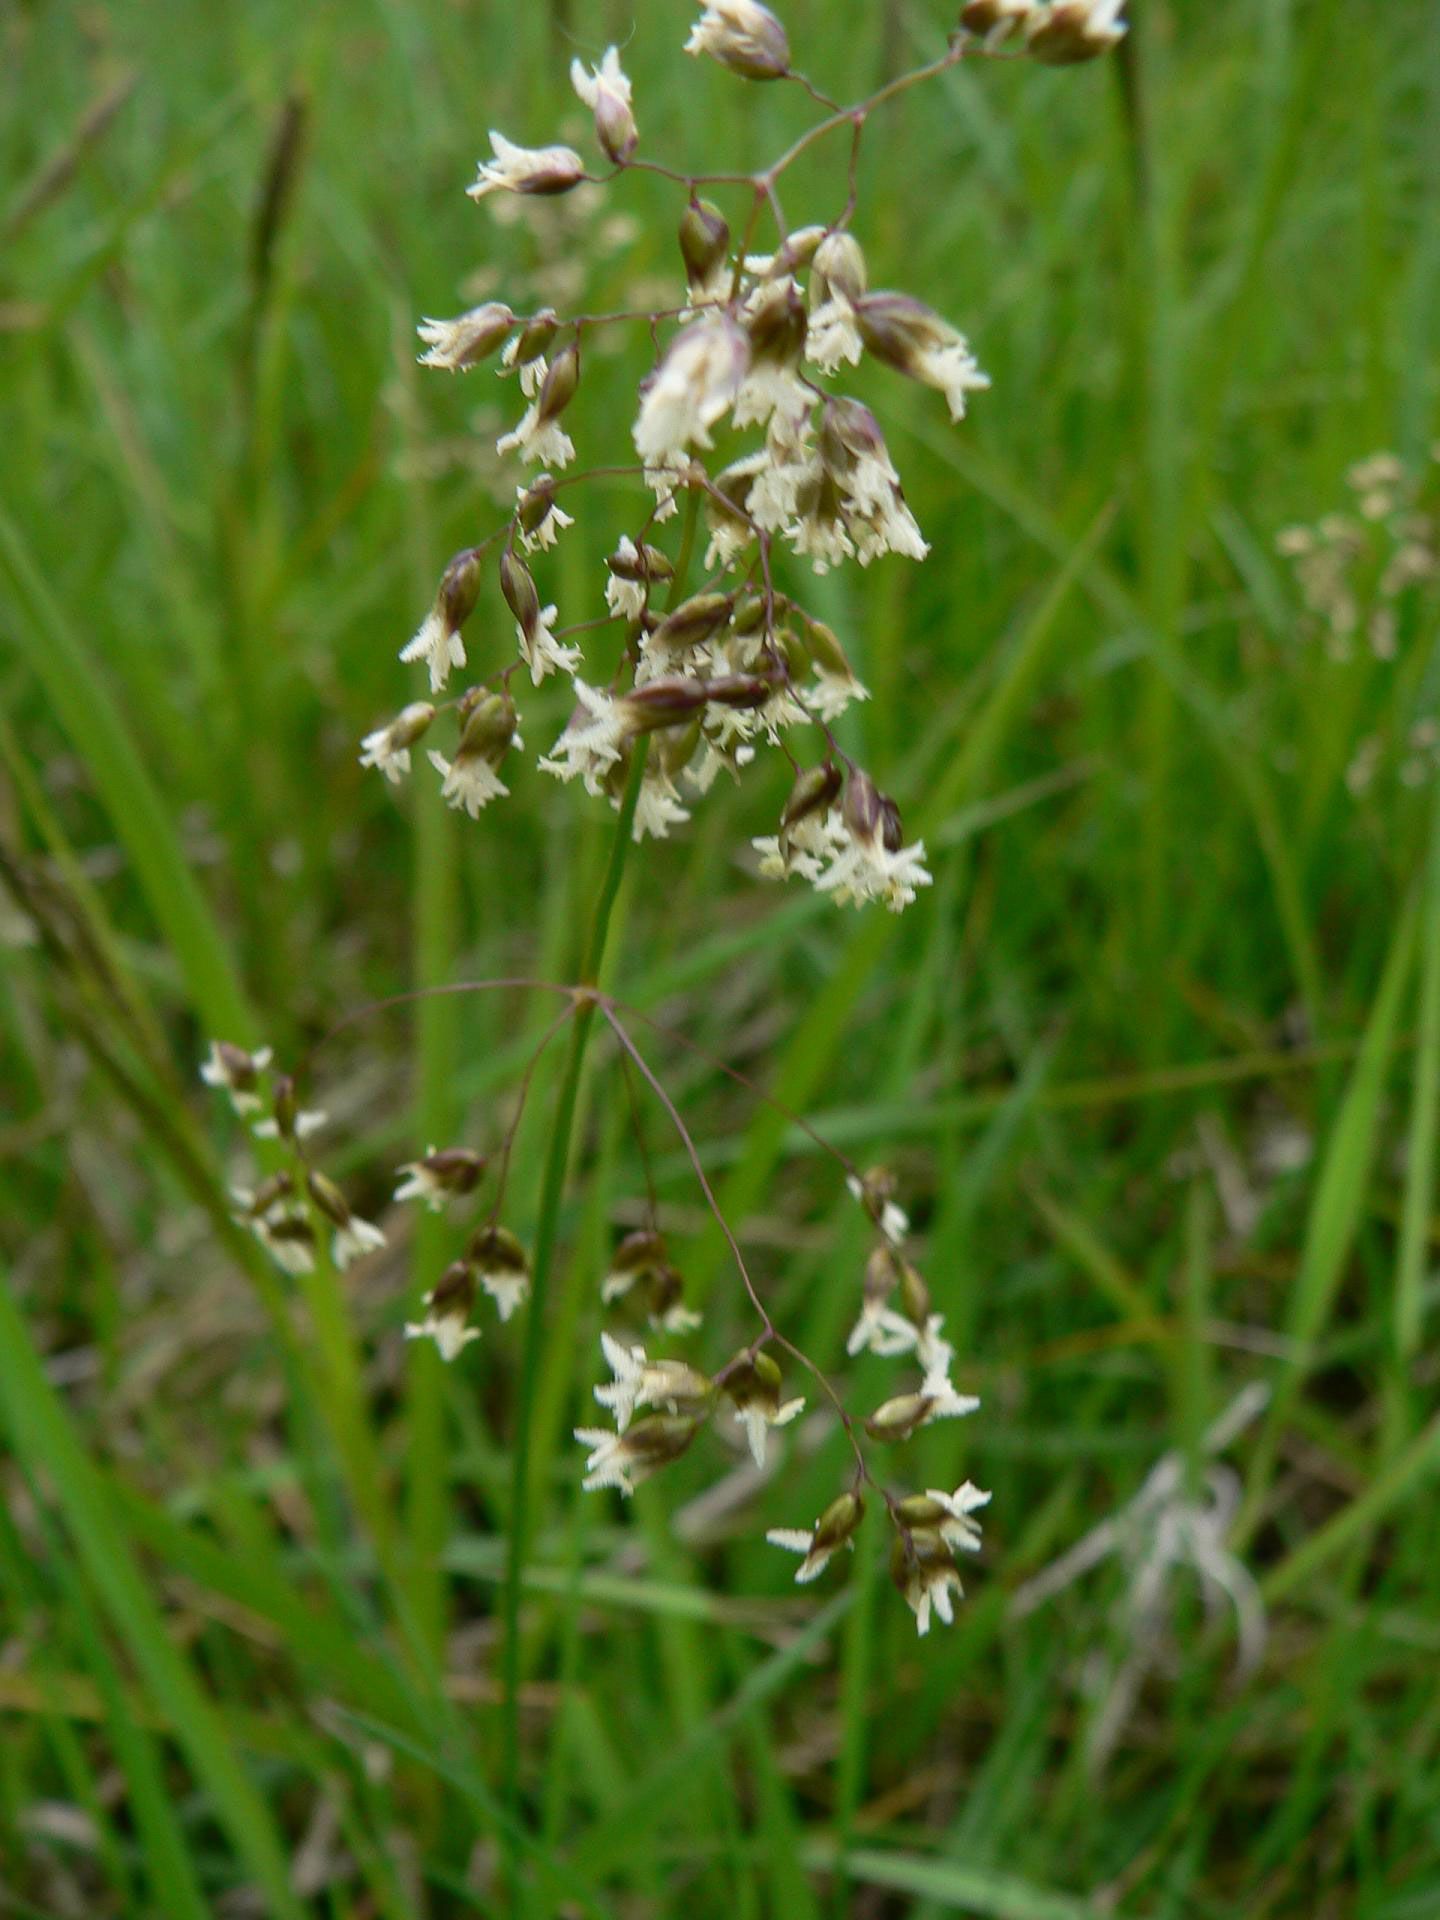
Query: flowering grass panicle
point(737, 418)
point(743, 436)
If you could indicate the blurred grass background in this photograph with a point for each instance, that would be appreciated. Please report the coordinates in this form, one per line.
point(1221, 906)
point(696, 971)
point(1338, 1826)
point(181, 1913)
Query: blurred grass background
point(1156, 1059)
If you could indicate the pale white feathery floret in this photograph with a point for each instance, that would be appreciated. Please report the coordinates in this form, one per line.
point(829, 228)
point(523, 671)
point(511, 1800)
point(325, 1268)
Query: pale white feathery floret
point(450, 1333)
point(542, 652)
point(543, 443)
point(439, 645)
point(468, 781)
point(354, 1237)
point(516, 169)
point(693, 386)
point(593, 740)
point(957, 1529)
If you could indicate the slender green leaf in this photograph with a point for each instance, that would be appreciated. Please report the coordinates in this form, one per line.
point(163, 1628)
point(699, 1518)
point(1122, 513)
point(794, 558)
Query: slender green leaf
point(42, 1432)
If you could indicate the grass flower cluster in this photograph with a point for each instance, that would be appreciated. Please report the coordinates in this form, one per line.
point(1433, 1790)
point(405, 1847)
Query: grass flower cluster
point(616, 1387)
point(754, 342)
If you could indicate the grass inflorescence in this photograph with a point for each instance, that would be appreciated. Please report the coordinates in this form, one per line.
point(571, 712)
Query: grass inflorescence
point(1153, 1058)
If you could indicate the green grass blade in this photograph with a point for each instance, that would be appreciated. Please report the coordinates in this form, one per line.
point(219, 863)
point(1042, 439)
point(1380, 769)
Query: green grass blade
point(84, 706)
point(168, 1858)
point(1424, 1114)
point(1079, 1239)
point(1419, 1462)
point(43, 1434)
point(1338, 1204)
point(973, 1890)
point(605, 1842)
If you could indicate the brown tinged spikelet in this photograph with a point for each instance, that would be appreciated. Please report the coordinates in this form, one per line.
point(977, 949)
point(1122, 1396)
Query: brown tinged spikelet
point(517, 584)
point(694, 621)
point(641, 1267)
point(501, 1264)
point(795, 252)
point(788, 649)
point(839, 268)
point(448, 1307)
point(896, 1420)
point(921, 1510)
point(875, 1189)
point(270, 1192)
point(663, 703)
point(787, 644)
point(410, 725)
point(752, 1376)
point(752, 1383)
point(704, 245)
point(906, 334)
point(638, 1252)
point(666, 1289)
point(915, 1300)
point(535, 337)
point(488, 724)
point(743, 36)
point(237, 1070)
point(280, 1227)
point(1067, 32)
point(883, 1270)
point(441, 1174)
point(291, 1238)
point(915, 1553)
point(606, 91)
point(495, 1249)
point(641, 564)
point(776, 326)
point(740, 690)
point(849, 433)
point(840, 1521)
point(463, 343)
point(353, 1236)
point(658, 1438)
point(454, 1291)
point(621, 1460)
point(457, 1169)
point(896, 327)
point(861, 809)
point(459, 588)
point(327, 1197)
point(814, 792)
point(528, 170)
point(616, 777)
point(615, 128)
point(285, 1106)
point(241, 1067)
point(825, 650)
point(560, 384)
point(677, 746)
point(836, 1528)
point(727, 503)
point(892, 826)
point(676, 702)
point(928, 1528)
point(995, 19)
point(750, 615)
point(438, 640)
point(536, 504)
